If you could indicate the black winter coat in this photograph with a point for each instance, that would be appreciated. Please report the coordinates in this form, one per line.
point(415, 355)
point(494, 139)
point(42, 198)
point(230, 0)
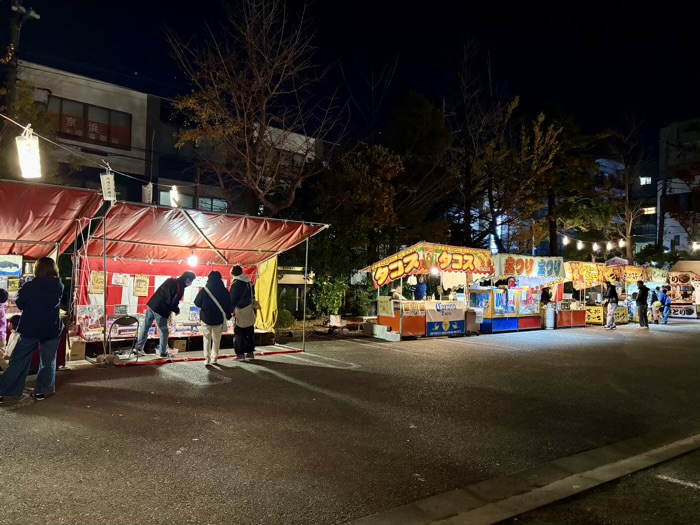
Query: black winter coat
point(643, 295)
point(40, 302)
point(241, 295)
point(168, 296)
point(209, 312)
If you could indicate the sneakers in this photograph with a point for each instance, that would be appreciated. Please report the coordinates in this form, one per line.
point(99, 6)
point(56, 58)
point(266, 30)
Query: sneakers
point(214, 361)
point(206, 362)
point(166, 356)
point(240, 357)
point(250, 356)
point(139, 353)
point(38, 397)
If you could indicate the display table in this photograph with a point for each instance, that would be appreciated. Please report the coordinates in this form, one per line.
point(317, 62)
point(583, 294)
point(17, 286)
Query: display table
point(571, 318)
point(422, 318)
point(598, 315)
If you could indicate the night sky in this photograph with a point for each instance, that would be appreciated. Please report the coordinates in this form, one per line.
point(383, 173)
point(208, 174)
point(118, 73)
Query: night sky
point(596, 60)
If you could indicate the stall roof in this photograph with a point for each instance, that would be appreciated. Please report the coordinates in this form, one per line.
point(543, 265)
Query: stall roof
point(34, 218)
point(687, 266)
point(151, 233)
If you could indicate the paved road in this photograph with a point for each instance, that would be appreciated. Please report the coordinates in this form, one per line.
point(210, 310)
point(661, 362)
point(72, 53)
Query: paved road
point(351, 428)
point(665, 495)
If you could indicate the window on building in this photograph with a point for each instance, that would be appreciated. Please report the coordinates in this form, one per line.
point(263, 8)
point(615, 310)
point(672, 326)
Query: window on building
point(644, 181)
point(649, 211)
point(95, 124)
point(186, 201)
point(212, 204)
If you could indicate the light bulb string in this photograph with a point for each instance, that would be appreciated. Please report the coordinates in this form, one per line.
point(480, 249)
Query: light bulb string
point(596, 245)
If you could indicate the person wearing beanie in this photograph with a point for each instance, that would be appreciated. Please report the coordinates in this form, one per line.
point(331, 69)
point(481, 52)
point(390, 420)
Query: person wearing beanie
point(214, 305)
point(162, 303)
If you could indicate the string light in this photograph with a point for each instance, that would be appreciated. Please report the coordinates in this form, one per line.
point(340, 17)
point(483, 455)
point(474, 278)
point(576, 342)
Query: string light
point(579, 245)
point(596, 247)
point(621, 244)
point(608, 246)
point(565, 241)
point(174, 197)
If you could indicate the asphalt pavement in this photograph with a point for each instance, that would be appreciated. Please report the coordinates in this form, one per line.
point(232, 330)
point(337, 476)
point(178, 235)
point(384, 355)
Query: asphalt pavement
point(665, 495)
point(348, 429)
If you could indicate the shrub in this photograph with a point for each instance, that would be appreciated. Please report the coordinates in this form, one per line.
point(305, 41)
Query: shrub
point(327, 294)
point(285, 319)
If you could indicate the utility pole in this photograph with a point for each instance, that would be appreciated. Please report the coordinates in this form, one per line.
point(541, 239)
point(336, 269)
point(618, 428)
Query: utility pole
point(20, 15)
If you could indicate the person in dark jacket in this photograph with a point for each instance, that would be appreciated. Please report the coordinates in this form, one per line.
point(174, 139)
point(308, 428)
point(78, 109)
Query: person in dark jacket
point(40, 325)
point(611, 300)
point(546, 296)
point(642, 306)
point(213, 315)
point(242, 297)
point(164, 301)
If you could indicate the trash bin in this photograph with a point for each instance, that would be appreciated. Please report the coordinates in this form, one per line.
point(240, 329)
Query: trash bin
point(549, 317)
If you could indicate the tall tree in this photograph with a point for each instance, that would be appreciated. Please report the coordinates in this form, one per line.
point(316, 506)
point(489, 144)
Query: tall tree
point(252, 110)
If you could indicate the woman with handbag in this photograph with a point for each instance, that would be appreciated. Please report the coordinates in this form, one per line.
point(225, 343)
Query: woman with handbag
point(214, 304)
point(244, 308)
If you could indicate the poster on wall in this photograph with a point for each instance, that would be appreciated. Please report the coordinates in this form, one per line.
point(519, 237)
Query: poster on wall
point(384, 306)
point(444, 318)
point(11, 265)
point(89, 317)
point(120, 279)
point(141, 285)
point(12, 286)
point(97, 282)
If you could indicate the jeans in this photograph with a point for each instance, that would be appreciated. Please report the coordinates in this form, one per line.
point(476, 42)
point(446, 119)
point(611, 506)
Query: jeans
point(13, 380)
point(244, 340)
point(212, 340)
point(162, 324)
point(642, 312)
point(611, 315)
point(667, 312)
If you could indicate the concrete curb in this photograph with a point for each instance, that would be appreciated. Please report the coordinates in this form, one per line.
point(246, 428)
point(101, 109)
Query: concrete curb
point(488, 502)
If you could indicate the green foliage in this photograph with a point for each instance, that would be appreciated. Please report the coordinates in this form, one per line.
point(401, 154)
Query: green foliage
point(356, 198)
point(285, 319)
point(327, 294)
point(653, 254)
point(364, 297)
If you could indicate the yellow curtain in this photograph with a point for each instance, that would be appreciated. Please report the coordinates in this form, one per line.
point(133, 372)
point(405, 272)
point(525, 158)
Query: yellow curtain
point(266, 294)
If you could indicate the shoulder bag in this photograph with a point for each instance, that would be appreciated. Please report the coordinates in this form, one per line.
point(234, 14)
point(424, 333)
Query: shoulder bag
point(245, 317)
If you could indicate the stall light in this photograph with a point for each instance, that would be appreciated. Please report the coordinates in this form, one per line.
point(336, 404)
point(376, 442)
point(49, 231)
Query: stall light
point(28, 153)
point(608, 246)
point(174, 197)
point(565, 240)
point(193, 260)
point(653, 263)
point(596, 247)
point(696, 246)
point(435, 271)
point(579, 245)
point(621, 244)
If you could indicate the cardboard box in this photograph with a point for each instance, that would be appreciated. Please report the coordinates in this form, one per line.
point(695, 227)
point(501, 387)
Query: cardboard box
point(180, 345)
point(77, 350)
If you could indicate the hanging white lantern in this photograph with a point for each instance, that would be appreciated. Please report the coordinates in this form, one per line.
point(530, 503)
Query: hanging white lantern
point(174, 197)
point(608, 246)
point(28, 153)
point(596, 247)
point(579, 245)
point(565, 241)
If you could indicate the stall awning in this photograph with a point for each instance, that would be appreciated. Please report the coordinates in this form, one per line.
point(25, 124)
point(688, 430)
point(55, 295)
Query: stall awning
point(424, 257)
point(157, 233)
point(34, 218)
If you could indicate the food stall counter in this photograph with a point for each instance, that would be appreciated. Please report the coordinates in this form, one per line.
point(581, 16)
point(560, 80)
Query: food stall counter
point(597, 314)
point(570, 314)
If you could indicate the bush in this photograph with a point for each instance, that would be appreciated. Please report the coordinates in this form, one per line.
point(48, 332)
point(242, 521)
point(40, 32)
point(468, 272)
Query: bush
point(328, 294)
point(285, 319)
point(364, 297)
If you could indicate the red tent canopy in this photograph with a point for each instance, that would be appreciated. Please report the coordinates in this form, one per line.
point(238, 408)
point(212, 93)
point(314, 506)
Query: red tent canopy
point(34, 218)
point(145, 232)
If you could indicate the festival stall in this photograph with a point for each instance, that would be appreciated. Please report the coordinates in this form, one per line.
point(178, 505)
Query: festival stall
point(516, 307)
point(685, 289)
point(653, 278)
point(136, 247)
point(455, 266)
point(587, 278)
point(37, 220)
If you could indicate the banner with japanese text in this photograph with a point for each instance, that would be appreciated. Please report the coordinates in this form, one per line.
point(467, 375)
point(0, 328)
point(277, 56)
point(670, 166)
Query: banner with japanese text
point(657, 275)
point(584, 274)
point(424, 257)
point(547, 268)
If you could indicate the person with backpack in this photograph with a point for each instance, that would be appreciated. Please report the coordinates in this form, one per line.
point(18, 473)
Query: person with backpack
point(611, 300)
point(214, 303)
point(665, 301)
point(165, 300)
point(243, 305)
point(656, 306)
point(642, 300)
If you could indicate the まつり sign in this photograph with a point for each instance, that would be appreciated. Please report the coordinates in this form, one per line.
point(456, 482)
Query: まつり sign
point(424, 257)
point(527, 266)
